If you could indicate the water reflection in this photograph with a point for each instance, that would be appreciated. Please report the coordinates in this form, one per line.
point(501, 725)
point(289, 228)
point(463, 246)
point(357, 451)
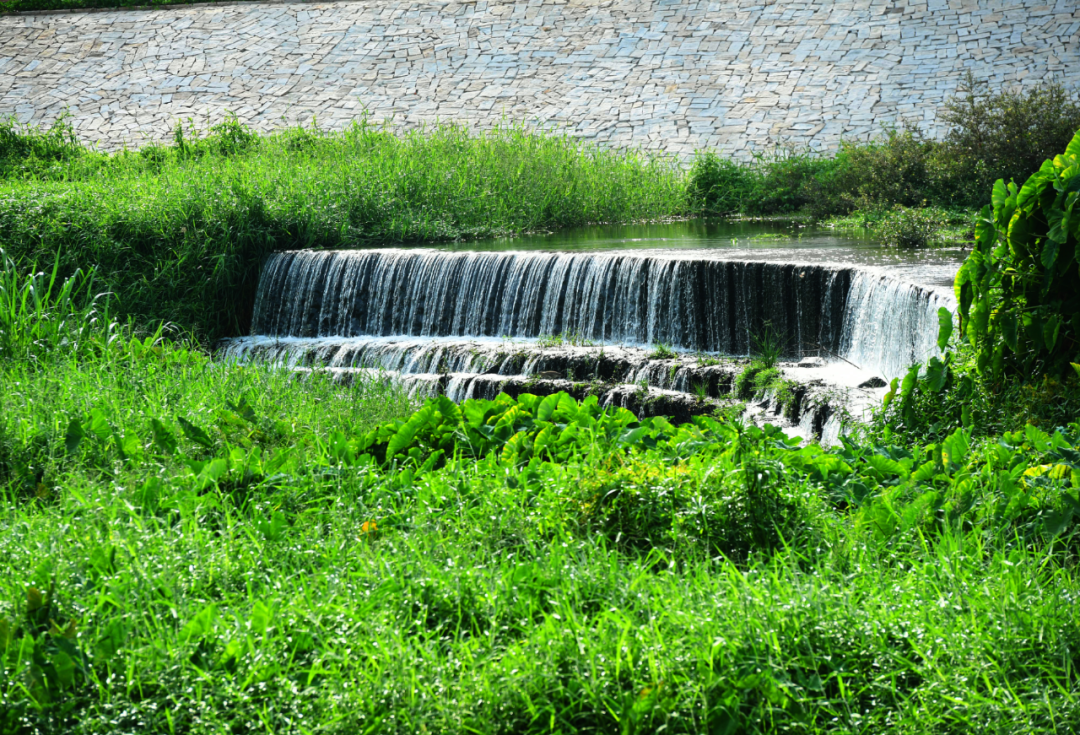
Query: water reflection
point(768, 241)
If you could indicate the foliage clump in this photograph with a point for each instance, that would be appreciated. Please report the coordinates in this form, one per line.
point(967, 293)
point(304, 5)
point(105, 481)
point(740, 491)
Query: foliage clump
point(991, 135)
point(1019, 290)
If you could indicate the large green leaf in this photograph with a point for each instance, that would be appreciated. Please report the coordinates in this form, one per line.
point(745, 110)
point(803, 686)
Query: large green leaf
point(194, 433)
point(937, 374)
point(999, 196)
point(163, 438)
point(945, 327)
point(409, 431)
point(1009, 329)
point(1050, 331)
point(956, 447)
point(74, 436)
point(1073, 149)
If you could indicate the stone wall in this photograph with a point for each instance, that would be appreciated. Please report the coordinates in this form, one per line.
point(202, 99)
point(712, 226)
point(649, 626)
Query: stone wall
point(739, 75)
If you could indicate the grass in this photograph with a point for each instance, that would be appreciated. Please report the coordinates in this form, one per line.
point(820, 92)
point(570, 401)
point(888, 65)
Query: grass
point(198, 547)
point(179, 232)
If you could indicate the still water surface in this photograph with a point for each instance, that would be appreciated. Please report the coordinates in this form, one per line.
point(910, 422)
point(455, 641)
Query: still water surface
point(771, 241)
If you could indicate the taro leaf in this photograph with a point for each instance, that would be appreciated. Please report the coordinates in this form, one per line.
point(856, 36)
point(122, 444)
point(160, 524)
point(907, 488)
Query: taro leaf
point(130, 445)
point(956, 447)
point(99, 427)
point(64, 666)
point(1020, 237)
point(980, 318)
point(194, 433)
point(633, 436)
point(999, 196)
point(910, 380)
point(475, 412)
point(887, 466)
point(261, 618)
point(1050, 331)
point(1050, 253)
point(450, 412)
point(1070, 456)
point(243, 409)
point(547, 407)
point(1073, 149)
point(1076, 367)
point(985, 231)
point(937, 373)
point(407, 434)
point(1033, 329)
point(1056, 522)
point(200, 625)
point(1010, 329)
point(163, 438)
point(74, 436)
point(892, 391)
point(965, 416)
point(945, 325)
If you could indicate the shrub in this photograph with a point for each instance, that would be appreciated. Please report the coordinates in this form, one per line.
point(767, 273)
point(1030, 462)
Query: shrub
point(718, 185)
point(783, 181)
point(1006, 135)
point(1019, 290)
point(908, 227)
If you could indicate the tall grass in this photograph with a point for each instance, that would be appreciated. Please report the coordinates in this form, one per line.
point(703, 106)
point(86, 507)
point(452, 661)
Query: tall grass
point(490, 597)
point(179, 232)
point(39, 313)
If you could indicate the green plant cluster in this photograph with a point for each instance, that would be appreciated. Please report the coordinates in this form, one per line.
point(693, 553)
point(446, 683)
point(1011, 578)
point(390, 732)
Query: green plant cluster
point(514, 568)
point(201, 547)
point(1019, 290)
point(992, 135)
point(179, 232)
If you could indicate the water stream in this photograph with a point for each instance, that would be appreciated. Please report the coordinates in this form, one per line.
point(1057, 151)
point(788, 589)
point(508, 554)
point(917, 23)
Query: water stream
point(694, 287)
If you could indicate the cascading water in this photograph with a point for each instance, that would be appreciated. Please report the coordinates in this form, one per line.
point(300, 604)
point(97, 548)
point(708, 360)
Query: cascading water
point(313, 300)
point(472, 324)
point(698, 304)
point(889, 324)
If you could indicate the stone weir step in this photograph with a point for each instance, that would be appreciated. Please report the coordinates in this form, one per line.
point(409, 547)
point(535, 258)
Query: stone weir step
point(689, 301)
point(815, 398)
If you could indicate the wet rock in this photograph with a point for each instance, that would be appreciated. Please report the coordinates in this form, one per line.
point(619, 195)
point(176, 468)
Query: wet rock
point(874, 382)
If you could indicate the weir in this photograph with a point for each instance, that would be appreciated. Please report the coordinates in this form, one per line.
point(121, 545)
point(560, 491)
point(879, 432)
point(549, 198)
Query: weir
point(475, 324)
point(689, 302)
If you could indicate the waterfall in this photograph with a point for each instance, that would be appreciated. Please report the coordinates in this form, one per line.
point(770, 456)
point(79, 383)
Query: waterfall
point(889, 324)
point(700, 304)
point(430, 312)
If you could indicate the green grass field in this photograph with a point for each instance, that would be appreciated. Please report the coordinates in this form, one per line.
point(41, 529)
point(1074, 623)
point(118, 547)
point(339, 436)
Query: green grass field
point(191, 546)
point(197, 547)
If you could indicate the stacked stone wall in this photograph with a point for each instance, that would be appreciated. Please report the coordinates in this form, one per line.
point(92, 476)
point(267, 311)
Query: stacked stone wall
point(667, 75)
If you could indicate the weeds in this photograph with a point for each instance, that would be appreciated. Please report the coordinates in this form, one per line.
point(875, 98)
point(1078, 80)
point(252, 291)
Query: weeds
point(661, 351)
point(179, 232)
point(768, 345)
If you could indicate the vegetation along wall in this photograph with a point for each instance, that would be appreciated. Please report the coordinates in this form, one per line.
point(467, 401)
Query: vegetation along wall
point(676, 76)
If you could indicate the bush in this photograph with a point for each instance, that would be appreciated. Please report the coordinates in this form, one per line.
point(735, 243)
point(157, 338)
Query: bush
point(784, 181)
point(908, 227)
point(1006, 135)
point(717, 185)
point(1019, 290)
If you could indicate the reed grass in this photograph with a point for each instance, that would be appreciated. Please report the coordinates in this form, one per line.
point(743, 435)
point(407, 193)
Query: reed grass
point(473, 599)
point(179, 232)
